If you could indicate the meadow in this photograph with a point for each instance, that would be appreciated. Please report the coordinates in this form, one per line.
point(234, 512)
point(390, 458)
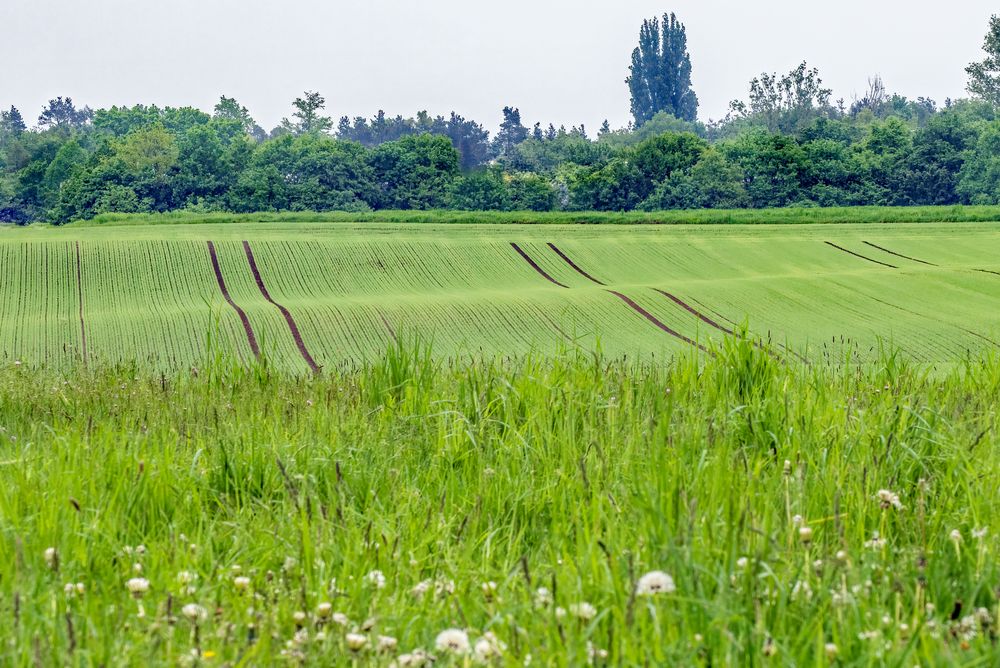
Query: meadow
point(562, 510)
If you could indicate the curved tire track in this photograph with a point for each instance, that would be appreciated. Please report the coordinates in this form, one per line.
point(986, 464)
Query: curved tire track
point(905, 257)
point(79, 295)
point(534, 265)
point(850, 252)
point(656, 321)
point(573, 264)
point(251, 338)
point(284, 311)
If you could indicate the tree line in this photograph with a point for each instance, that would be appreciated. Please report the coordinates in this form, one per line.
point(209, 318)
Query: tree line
point(787, 143)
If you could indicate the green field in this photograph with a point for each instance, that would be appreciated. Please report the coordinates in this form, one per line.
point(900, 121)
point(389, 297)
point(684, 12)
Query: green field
point(823, 292)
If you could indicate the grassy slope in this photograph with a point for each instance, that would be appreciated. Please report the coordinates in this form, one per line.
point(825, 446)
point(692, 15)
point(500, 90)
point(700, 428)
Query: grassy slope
point(567, 474)
point(149, 292)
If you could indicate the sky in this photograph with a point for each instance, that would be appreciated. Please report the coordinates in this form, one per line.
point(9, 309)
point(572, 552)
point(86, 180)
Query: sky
point(559, 61)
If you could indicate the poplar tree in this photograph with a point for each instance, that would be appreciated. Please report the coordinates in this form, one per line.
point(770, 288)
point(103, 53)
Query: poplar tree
point(660, 75)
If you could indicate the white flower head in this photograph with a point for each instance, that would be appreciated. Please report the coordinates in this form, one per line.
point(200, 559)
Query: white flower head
point(956, 535)
point(137, 587)
point(454, 641)
point(51, 558)
point(655, 582)
point(376, 579)
point(543, 597)
point(241, 583)
point(355, 641)
point(387, 644)
point(194, 613)
point(889, 499)
point(488, 648)
point(583, 610)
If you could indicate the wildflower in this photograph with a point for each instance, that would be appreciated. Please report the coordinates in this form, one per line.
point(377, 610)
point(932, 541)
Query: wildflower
point(340, 619)
point(444, 588)
point(455, 641)
point(655, 582)
point(299, 617)
point(290, 564)
point(831, 650)
point(376, 579)
point(543, 598)
point(787, 469)
point(841, 556)
point(52, 558)
point(979, 534)
point(594, 653)
point(489, 590)
point(488, 647)
point(889, 499)
point(956, 536)
point(805, 534)
point(801, 589)
point(137, 587)
point(421, 588)
point(583, 610)
point(698, 638)
point(742, 563)
point(769, 649)
point(194, 613)
point(387, 644)
point(560, 612)
point(323, 610)
point(140, 550)
point(69, 589)
point(186, 577)
point(797, 520)
point(876, 543)
point(414, 659)
point(137, 568)
point(241, 583)
point(355, 641)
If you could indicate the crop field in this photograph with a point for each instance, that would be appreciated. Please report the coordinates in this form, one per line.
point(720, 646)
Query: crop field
point(313, 296)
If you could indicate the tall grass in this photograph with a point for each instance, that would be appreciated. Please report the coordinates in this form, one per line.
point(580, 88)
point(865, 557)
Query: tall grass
point(496, 497)
point(789, 215)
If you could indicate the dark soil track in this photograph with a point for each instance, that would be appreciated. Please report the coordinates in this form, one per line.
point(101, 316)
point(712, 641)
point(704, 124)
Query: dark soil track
point(79, 295)
point(573, 264)
point(988, 271)
point(534, 265)
point(293, 328)
point(656, 321)
point(695, 312)
point(850, 252)
point(905, 257)
point(251, 338)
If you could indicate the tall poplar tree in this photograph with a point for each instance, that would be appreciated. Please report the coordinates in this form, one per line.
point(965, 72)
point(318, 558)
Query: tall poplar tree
point(660, 75)
point(984, 77)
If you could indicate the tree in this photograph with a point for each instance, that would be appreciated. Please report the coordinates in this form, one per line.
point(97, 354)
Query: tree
point(11, 124)
point(979, 181)
point(415, 172)
point(660, 75)
point(713, 183)
point(786, 103)
point(307, 117)
point(511, 133)
point(61, 113)
point(984, 77)
point(229, 109)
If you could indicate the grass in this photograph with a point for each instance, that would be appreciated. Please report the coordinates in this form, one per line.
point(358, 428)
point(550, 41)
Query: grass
point(788, 215)
point(754, 484)
point(148, 293)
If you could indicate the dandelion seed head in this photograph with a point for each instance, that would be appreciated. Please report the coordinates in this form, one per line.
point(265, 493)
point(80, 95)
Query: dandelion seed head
point(355, 641)
point(376, 579)
point(583, 610)
point(386, 644)
point(653, 583)
point(194, 613)
point(454, 641)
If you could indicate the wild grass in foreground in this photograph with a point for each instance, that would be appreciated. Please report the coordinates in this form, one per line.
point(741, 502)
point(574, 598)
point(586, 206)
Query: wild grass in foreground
point(561, 511)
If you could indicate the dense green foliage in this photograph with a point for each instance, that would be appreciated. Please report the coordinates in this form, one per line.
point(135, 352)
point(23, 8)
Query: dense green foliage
point(788, 144)
point(248, 517)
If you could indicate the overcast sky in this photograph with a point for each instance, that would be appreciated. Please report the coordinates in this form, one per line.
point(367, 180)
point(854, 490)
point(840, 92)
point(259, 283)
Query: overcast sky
point(560, 61)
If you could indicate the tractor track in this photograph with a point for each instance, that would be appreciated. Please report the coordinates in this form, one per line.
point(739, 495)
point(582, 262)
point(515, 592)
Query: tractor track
point(251, 337)
point(863, 257)
point(293, 328)
point(534, 265)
